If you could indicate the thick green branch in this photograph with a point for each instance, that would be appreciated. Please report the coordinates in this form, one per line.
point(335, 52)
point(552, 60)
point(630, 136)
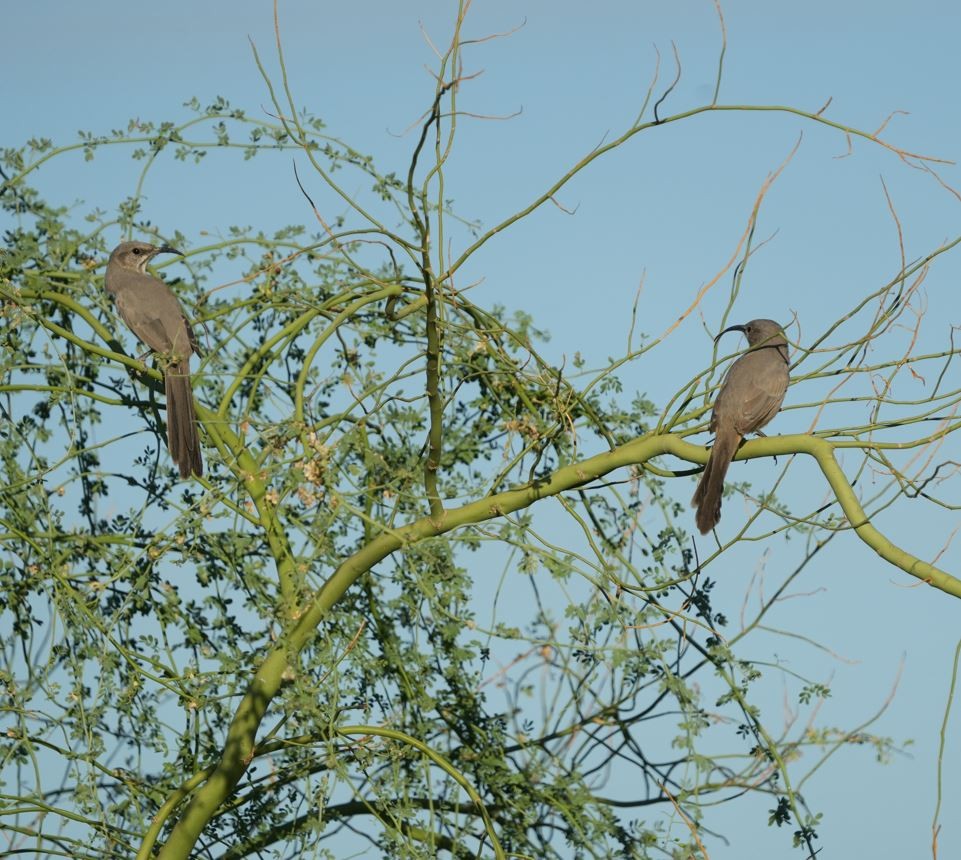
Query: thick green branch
point(241, 737)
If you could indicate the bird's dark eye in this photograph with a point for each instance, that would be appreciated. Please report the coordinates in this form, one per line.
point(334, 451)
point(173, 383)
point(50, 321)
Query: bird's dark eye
point(138, 251)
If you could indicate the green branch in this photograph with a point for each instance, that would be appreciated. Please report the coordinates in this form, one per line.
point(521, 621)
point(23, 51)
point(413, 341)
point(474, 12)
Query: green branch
point(241, 737)
point(596, 153)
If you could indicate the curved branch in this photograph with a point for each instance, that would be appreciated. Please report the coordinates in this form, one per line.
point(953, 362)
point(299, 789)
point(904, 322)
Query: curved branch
point(241, 737)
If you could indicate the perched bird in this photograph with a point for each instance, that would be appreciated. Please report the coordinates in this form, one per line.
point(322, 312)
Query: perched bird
point(151, 310)
point(750, 396)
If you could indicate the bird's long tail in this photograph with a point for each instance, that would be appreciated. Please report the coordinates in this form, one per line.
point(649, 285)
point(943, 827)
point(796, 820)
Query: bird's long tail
point(707, 496)
point(182, 437)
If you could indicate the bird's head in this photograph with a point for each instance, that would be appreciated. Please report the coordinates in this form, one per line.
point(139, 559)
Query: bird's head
point(759, 333)
point(134, 256)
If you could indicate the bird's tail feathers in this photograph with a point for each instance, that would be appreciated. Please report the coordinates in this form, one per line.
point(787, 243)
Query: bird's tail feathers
point(182, 437)
point(707, 496)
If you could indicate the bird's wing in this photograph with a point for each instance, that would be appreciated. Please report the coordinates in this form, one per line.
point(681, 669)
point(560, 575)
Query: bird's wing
point(762, 399)
point(760, 408)
point(752, 392)
point(151, 310)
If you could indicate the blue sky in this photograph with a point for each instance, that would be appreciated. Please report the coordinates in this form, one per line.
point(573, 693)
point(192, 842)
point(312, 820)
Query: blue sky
point(669, 207)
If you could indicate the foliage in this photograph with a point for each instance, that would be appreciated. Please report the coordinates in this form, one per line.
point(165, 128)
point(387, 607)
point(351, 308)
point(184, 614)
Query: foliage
point(290, 655)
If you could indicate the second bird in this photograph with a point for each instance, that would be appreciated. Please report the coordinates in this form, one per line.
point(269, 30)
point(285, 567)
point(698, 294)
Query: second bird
point(154, 315)
point(750, 396)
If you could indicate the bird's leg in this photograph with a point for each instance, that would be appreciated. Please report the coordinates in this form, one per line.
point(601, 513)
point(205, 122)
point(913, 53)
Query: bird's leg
point(763, 435)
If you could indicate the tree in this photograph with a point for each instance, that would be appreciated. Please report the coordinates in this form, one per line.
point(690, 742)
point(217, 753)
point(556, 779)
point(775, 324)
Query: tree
point(378, 440)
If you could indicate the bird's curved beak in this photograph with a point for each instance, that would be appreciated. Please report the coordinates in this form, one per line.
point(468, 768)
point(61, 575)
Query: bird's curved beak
point(730, 328)
point(167, 249)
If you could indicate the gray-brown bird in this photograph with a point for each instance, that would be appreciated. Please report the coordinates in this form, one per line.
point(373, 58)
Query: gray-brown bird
point(155, 316)
point(750, 396)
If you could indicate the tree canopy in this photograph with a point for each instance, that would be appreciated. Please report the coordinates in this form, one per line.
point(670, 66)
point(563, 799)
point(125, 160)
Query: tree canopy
point(436, 595)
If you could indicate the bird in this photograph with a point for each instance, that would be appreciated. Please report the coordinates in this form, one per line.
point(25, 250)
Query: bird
point(153, 313)
point(751, 395)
